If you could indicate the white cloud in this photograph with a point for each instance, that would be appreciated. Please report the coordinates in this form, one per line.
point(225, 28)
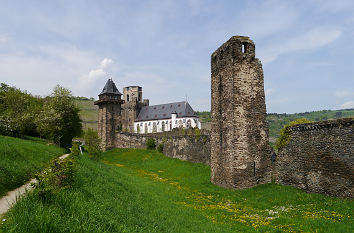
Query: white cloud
point(315, 38)
point(346, 105)
point(344, 93)
point(106, 62)
point(96, 76)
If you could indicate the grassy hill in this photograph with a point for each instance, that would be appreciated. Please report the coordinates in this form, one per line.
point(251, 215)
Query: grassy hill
point(20, 159)
point(143, 191)
point(88, 112)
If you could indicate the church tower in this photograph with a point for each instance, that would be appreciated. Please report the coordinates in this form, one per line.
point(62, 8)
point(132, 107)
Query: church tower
point(109, 114)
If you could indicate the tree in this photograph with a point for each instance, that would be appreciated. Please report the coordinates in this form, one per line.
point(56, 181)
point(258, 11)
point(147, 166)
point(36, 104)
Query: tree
point(92, 142)
point(18, 111)
point(59, 119)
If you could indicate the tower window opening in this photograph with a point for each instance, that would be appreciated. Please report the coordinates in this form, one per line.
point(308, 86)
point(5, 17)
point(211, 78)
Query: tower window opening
point(244, 50)
point(127, 97)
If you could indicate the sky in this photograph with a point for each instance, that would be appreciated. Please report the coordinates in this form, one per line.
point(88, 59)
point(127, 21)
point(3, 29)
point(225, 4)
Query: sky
point(306, 48)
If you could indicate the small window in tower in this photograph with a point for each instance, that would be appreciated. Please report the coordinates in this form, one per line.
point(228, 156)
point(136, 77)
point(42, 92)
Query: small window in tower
point(127, 97)
point(244, 48)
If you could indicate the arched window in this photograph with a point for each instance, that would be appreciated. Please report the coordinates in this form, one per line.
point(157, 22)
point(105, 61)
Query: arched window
point(170, 125)
point(163, 126)
point(154, 127)
point(189, 123)
point(180, 124)
point(146, 128)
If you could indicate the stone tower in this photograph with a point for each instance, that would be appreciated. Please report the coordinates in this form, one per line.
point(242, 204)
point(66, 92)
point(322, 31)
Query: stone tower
point(109, 114)
point(131, 108)
point(240, 152)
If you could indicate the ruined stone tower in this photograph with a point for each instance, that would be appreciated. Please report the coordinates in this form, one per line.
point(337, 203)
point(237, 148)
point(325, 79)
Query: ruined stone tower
point(131, 108)
point(240, 153)
point(109, 114)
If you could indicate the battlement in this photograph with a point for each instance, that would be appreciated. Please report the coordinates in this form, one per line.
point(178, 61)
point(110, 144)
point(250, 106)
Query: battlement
point(345, 122)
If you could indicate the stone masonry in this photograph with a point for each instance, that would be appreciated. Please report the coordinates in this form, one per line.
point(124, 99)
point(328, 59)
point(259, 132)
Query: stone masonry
point(240, 152)
point(131, 107)
point(319, 158)
point(109, 114)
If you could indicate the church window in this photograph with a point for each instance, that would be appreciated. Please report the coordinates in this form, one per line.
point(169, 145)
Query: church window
point(170, 125)
point(146, 128)
point(154, 127)
point(189, 123)
point(163, 126)
point(180, 124)
point(184, 120)
point(127, 97)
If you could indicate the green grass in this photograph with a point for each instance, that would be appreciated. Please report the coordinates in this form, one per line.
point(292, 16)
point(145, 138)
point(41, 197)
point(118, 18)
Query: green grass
point(133, 190)
point(20, 159)
point(88, 113)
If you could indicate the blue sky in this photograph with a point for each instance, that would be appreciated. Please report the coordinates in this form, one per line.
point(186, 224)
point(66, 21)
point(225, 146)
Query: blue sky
point(306, 48)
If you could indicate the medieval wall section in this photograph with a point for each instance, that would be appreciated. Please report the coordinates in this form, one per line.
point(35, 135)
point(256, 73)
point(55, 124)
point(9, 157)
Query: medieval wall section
point(319, 158)
point(183, 145)
point(240, 152)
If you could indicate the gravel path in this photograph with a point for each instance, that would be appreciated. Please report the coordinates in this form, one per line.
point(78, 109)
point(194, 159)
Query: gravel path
point(11, 197)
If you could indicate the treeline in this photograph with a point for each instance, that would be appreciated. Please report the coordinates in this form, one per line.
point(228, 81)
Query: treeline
point(277, 121)
point(54, 117)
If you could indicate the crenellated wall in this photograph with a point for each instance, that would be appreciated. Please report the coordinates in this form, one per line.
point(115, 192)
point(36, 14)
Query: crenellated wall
point(180, 144)
point(319, 158)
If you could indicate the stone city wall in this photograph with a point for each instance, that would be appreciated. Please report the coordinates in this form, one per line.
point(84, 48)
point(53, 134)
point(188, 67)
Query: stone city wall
point(180, 144)
point(319, 158)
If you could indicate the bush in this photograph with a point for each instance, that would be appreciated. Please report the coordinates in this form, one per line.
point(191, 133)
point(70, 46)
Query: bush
point(59, 175)
point(285, 133)
point(93, 144)
point(160, 148)
point(75, 150)
point(150, 144)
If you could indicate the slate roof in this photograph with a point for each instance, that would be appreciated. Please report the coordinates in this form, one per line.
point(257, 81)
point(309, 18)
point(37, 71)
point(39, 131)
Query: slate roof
point(110, 88)
point(163, 111)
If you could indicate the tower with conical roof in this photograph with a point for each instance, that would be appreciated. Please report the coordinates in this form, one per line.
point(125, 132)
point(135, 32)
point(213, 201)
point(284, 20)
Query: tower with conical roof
point(109, 114)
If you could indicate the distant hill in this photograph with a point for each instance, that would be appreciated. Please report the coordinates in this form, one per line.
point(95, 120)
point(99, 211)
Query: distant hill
point(89, 115)
point(88, 112)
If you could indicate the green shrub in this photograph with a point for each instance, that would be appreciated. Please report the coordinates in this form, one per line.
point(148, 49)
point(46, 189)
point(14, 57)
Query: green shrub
point(197, 134)
point(285, 133)
point(160, 148)
point(75, 151)
point(93, 144)
point(59, 175)
point(150, 144)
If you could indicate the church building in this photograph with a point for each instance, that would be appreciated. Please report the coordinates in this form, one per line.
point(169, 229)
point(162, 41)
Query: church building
point(132, 113)
point(165, 117)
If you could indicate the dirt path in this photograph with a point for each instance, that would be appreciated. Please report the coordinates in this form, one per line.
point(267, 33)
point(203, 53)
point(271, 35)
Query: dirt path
point(11, 197)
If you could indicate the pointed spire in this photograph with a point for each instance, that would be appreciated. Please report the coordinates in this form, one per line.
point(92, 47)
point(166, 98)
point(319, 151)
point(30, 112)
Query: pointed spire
point(110, 88)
